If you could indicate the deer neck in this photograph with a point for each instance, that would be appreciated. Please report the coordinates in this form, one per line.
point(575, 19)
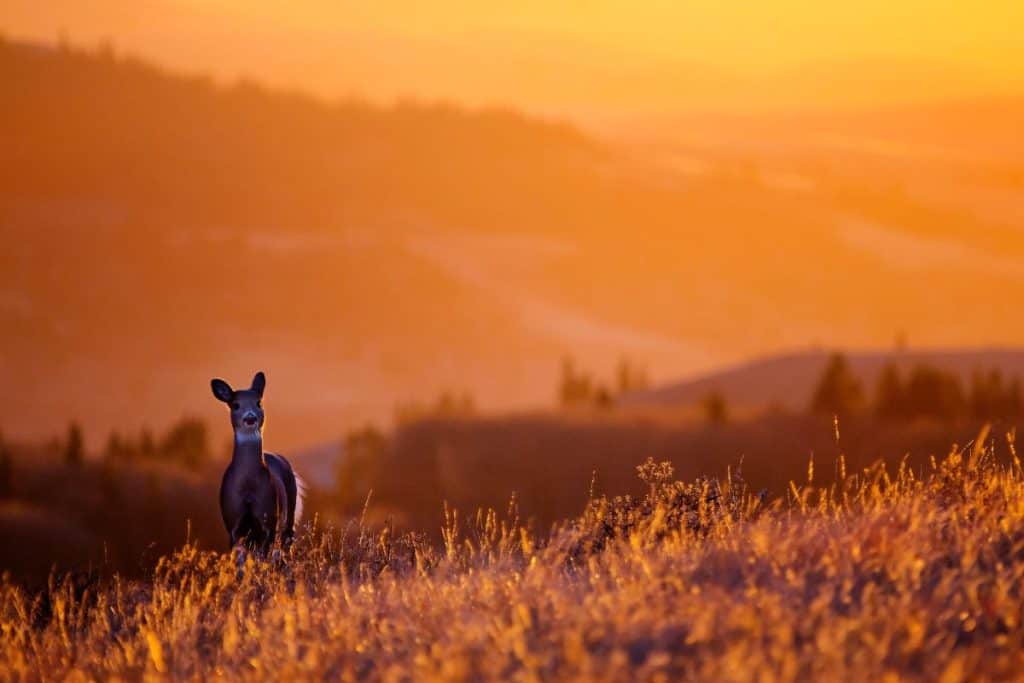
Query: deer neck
point(248, 450)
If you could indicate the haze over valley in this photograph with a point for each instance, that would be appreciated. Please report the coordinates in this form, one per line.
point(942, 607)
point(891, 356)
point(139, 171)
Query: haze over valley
point(161, 229)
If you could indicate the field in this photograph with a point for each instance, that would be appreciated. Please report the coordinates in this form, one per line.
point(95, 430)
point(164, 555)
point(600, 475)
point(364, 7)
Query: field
point(634, 341)
point(887, 574)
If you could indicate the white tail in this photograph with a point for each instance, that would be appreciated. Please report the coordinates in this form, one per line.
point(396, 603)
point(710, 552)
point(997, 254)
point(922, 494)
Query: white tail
point(300, 495)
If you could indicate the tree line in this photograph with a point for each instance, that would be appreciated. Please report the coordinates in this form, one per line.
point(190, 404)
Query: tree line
point(923, 391)
point(185, 443)
point(578, 388)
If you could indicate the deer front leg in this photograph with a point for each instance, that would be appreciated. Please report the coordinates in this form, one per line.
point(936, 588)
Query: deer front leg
point(283, 524)
point(238, 532)
point(237, 537)
point(268, 538)
point(240, 556)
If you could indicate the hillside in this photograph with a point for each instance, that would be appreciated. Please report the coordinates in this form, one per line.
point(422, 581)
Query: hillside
point(886, 575)
point(160, 229)
point(787, 381)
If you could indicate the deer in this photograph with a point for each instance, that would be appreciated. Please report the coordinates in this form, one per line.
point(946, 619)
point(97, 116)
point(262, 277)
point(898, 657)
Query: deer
point(260, 494)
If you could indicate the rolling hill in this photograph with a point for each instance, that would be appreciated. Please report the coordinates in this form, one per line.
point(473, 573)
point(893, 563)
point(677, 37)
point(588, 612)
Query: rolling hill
point(160, 229)
point(787, 381)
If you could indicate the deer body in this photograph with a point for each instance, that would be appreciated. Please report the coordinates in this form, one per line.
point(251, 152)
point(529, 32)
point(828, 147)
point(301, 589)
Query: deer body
point(260, 494)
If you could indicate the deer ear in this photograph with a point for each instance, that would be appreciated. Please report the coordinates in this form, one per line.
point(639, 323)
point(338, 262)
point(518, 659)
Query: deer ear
point(259, 383)
point(222, 390)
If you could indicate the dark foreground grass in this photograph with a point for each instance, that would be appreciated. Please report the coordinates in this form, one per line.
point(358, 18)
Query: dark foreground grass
point(886, 575)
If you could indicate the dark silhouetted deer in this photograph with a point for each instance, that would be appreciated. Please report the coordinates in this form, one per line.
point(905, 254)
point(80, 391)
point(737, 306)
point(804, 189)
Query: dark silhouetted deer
point(260, 495)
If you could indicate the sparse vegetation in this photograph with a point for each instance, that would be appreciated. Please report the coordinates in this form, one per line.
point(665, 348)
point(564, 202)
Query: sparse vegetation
point(885, 574)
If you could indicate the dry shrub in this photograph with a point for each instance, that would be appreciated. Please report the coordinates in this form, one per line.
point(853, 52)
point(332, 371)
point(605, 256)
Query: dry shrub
point(669, 507)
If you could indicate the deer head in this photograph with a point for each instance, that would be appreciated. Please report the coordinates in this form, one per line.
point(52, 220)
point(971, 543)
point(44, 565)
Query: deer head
point(246, 406)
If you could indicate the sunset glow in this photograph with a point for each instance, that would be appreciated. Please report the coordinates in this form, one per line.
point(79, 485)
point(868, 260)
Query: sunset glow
point(460, 340)
point(579, 57)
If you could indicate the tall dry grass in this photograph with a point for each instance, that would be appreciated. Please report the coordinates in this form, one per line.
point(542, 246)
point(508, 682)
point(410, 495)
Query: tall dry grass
point(884, 575)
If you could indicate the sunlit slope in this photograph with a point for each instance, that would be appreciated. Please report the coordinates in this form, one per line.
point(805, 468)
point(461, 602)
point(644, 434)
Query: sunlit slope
point(158, 230)
point(889, 573)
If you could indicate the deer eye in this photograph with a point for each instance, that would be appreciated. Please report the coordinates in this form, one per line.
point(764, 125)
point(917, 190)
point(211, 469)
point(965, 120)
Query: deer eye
point(259, 404)
point(234, 406)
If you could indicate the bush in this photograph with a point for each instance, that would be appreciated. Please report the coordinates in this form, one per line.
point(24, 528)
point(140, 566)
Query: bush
point(667, 508)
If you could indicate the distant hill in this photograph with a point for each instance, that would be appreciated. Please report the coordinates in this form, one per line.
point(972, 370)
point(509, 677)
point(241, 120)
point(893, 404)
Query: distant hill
point(318, 464)
point(159, 229)
point(788, 380)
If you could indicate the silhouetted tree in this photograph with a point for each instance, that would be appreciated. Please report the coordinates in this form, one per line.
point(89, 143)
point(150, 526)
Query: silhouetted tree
point(993, 398)
point(6, 469)
point(186, 442)
point(575, 388)
point(448, 404)
point(839, 392)
point(934, 393)
point(715, 409)
point(147, 445)
point(629, 377)
point(890, 394)
point(451, 404)
point(362, 453)
point(115, 448)
point(603, 398)
point(986, 394)
point(579, 389)
point(74, 447)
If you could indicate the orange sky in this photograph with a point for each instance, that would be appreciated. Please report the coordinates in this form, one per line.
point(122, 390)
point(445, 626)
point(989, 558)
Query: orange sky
point(581, 56)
